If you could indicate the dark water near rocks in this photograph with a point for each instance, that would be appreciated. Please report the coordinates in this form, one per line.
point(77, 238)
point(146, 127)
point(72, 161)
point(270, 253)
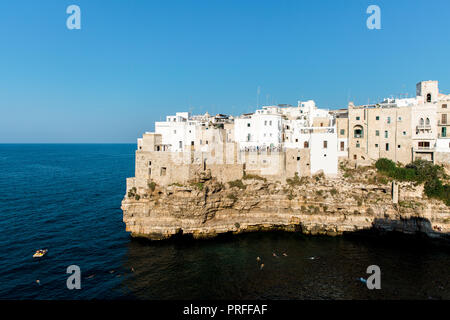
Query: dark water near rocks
point(67, 198)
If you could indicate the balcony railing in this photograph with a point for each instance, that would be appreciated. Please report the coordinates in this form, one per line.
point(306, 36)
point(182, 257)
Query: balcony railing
point(424, 127)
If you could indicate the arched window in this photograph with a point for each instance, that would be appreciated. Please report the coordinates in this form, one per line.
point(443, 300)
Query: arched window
point(358, 132)
point(421, 121)
point(306, 144)
point(427, 122)
point(429, 97)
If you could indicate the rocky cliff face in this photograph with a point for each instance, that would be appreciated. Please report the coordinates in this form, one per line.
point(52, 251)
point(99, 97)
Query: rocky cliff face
point(354, 202)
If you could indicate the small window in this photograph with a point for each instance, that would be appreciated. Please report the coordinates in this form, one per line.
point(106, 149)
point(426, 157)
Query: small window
point(180, 143)
point(354, 156)
point(265, 123)
point(404, 133)
point(298, 158)
point(296, 140)
point(386, 134)
point(149, 163)
point(163, 171)
point(248, 124)
point(342, 132)
point(175, 131)
point(306, 144)
point(398, 146)
point(444, 106)
point(325, 144)
point(377, 118)
point(387, 146)
point(192, 143)
point(270, 122)
point(357, 144)
point(399, 118)
point(377, 133)
point(206, 141)
point(342, 145)
point(357, 118)
point(376, 145)
point(388, 119)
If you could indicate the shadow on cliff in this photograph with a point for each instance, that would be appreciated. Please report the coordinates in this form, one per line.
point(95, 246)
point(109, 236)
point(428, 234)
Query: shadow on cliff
point(416, 226)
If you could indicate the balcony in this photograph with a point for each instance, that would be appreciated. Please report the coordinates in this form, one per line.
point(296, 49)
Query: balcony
point(423, 127)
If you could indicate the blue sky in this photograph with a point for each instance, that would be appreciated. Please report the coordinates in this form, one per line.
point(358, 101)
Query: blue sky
point(133, 62)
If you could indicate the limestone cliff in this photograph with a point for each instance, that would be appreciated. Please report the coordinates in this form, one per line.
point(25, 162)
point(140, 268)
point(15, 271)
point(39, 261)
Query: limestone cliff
point(355, 201)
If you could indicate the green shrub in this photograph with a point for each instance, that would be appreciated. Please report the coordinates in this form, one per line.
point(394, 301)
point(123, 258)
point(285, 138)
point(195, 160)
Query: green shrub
point(253, 176)
point(232, 196)
point(198, 185)
point(152, 185)
point(237, 183)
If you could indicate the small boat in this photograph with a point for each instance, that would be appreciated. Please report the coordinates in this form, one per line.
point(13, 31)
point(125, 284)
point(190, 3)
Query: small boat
point(40, 253)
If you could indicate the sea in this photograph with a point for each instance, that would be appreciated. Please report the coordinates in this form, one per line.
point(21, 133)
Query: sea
point(67, 197)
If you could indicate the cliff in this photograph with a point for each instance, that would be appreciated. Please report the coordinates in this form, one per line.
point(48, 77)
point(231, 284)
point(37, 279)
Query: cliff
point(358, 200)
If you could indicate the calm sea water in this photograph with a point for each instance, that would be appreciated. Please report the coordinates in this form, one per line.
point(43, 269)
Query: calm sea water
point(67, 198)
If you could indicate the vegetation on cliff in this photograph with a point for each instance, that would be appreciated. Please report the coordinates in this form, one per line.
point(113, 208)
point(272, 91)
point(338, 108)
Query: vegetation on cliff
point(419, 171)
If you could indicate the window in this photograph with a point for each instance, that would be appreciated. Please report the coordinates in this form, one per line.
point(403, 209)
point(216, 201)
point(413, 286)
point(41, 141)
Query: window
point(387, 146)
point(270, 122)
point(398, 146)
point(429, 97)
point(149, 163)
point(342, 145)
point(357, 144)
point(248, 124)
point(358, 132)
point(424, 144)
point(444, 118)
point(427, 122)
point(298, 158)
point(296, 140)
point(192, 143)
point(180, 143)
point(342, 132)
point(354, 156)
point(325, 144)
point(421, 121)
point(377, 133)
point(444, 132)
point(163, 171)
point(386, 134)
point(377, 118)
point(265, 123)
point(175, 131)
point(399, 118)
point(248, 137)
point(201, 142)
point(306, 144)
point(388, 119)
point(357, 118)
point(444, 106)
point(376, 145)
point(404, 133)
